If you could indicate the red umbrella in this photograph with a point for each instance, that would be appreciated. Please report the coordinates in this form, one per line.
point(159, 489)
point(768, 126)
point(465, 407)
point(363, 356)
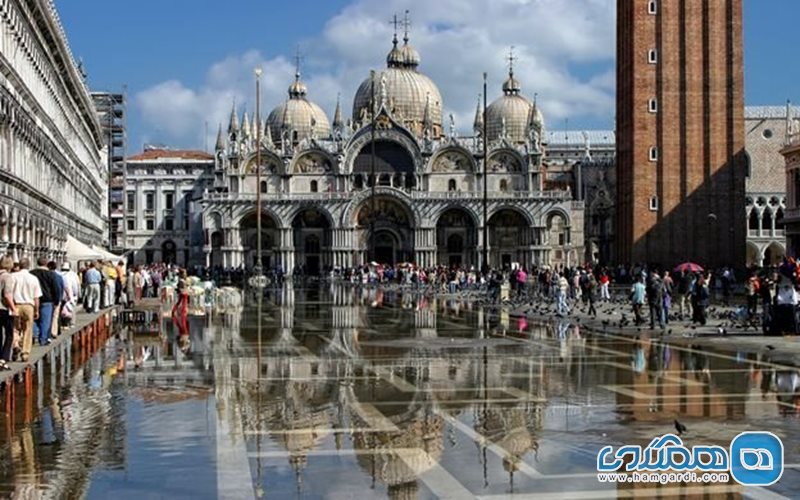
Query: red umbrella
point(690, 267)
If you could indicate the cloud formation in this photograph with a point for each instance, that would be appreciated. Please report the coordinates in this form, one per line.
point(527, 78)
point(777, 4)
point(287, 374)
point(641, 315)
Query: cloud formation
point(564, 49)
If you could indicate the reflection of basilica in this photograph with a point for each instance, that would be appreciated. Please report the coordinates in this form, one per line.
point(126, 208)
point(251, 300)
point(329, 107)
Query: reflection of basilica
point(318, 178)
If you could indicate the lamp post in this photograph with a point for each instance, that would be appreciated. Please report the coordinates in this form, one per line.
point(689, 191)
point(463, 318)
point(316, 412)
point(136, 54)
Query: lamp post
point(485, 186)
point(257, 268)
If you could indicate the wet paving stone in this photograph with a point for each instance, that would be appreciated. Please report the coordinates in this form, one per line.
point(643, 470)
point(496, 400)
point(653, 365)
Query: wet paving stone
point(339, 392)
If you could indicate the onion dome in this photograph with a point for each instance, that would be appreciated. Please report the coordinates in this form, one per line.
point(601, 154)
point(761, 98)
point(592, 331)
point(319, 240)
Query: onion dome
point(407, 91)
point(512, 114)
point(298, 116)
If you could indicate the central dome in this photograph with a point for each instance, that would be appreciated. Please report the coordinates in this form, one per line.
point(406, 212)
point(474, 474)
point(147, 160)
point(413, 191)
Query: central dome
point(408, 92)
point(512, 115)
point(298, 116)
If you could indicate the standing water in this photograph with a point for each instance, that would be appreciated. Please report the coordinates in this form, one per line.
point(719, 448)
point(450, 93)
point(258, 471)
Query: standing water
point(337, 392)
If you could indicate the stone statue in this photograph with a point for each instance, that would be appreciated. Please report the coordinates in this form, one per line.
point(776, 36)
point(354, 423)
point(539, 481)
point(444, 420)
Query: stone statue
point(384, 100)
point(452, 126)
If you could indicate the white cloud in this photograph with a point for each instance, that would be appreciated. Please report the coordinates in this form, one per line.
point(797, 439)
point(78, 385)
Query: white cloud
point(555, 41)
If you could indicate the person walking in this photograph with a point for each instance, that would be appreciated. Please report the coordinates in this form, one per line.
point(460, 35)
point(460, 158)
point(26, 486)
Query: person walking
point(605, 281)
point(655, 299)
point(684, 292)
point(8, 311)
point(753, 288)
point(562, 289)
point(591, 291)
point(638, 293)
point(669, 286)
point(700, 296)
point(61, 295)
point(92, 281)
point(27, 292)
point(51, 296)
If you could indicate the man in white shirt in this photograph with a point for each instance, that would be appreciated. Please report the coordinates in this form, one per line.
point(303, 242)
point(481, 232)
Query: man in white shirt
point(27, 292)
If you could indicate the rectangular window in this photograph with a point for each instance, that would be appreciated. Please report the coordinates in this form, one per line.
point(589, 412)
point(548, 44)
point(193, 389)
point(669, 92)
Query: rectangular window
point(653, 153)
point(131, 224)
point(169, 201)
point(654, 204)
point(652, 7)
point(131, 201)
point(168, 224)
point(652, 56)
point(149, 201)
point(652, 106)
point(150, 224)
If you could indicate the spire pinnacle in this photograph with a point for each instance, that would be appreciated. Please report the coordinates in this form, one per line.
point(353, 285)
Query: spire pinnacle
point(220, 141)
point(298, 57)
point(477, 125)
point(233, 123)
point(337, 115)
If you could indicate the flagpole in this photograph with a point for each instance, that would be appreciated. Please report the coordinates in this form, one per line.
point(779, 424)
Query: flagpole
point(258, 271)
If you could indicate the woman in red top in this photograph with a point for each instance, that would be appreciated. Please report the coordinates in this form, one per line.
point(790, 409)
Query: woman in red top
point(605, 295)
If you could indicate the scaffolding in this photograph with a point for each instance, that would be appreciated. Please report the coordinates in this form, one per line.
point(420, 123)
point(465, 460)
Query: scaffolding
point(112, 114)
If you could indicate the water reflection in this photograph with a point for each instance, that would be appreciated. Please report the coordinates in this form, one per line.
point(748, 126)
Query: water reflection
point(336, 391)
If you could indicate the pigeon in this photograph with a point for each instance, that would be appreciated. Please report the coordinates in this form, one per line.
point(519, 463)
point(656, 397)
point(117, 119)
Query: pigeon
point(680, 428)
point(770, 347)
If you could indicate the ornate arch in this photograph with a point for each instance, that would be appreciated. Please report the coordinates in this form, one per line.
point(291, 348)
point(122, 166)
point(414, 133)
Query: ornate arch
point(498, 161)
point(272, 163)
point(313, 161)
point(348, 214)
point(298, 208)
point(441, 162)
point(251, 211)
point(363, 137)
point(552, 212)
point(514, 208)
point(441, 210)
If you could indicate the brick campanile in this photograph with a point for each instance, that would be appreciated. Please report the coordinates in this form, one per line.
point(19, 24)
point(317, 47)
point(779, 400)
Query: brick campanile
point(680, 132)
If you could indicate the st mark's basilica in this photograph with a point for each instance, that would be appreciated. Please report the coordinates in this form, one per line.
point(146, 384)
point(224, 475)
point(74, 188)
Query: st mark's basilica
point(395, 183)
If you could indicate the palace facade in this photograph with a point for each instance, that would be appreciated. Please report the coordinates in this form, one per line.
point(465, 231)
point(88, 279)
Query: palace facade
point(392, 184)
point(52, 165)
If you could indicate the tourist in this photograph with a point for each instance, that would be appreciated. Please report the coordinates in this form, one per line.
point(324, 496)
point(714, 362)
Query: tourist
point(182, 287)
point(605, 281)
point(52, 292)
point(55, 323)
point(138, 283)
point(561, 296)
point(752, 288)
point(684, 292)
point(700, 297)
point(27, 292)
point(591, 291)
point(638, 293)
point(669, 286)
point(785, 305)
point(655, 299)
point(92, 281)
point(8, 311)
point(110, 281)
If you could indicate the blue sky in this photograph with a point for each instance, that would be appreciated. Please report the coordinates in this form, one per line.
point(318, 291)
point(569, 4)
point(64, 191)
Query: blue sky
point(184, 61)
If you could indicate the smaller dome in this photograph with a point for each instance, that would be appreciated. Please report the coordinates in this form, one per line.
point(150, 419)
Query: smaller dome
point(511, 86)
point(512, 113)
point(410, 56)
point(298, 115)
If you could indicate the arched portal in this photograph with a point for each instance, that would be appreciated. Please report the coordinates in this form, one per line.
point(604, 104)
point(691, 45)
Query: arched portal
point(168, 252)
point(312, 240)
point(773, 254)
point(248, 233)
point(507, 238)
point(386, 228)
point(217, 241)
point(456, 238)
point(753, 255)
point(392, 163)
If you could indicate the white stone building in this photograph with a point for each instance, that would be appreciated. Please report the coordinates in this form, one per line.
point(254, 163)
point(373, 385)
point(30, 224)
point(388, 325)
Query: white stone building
point(162, 213)
point(52, 165)
point(393, 184)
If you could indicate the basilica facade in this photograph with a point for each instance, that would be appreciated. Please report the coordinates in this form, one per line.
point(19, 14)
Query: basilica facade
point(394, 183)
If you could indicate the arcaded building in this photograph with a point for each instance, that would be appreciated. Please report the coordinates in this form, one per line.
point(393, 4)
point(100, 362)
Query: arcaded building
point(393, 183)
point(52, 164)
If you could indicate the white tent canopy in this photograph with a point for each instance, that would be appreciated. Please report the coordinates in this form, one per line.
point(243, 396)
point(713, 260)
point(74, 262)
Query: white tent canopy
point(106, 255)
point(77, 251)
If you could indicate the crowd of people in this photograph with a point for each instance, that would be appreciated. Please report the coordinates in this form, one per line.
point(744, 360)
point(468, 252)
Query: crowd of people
point(37, 304)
